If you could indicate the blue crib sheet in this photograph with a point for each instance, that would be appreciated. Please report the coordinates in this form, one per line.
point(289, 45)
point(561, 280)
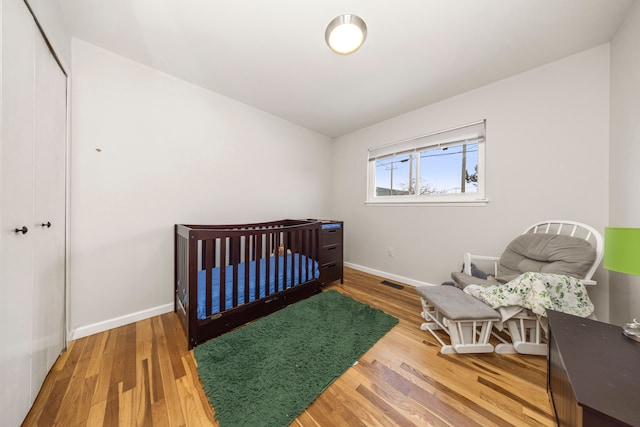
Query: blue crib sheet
point(309, 270)
point(330, 225)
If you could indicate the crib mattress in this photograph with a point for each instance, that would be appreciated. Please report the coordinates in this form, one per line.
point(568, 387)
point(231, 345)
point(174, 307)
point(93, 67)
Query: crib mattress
point(309, 270)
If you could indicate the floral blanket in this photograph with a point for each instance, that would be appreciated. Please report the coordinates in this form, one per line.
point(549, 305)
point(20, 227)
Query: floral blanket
point(537, 292)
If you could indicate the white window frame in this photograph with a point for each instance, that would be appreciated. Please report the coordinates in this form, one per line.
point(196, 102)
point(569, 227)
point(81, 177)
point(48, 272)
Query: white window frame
point(454, 136)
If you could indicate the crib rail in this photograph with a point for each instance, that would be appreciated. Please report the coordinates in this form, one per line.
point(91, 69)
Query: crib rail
point(236, 254)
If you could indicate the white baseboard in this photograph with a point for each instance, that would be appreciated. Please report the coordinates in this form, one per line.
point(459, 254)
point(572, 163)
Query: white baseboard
point(85, 331)
point(384, 274)
point(105, 325)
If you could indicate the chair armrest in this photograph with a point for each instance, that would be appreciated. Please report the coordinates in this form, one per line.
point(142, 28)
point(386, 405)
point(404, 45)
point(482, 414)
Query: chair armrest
point(469, 258)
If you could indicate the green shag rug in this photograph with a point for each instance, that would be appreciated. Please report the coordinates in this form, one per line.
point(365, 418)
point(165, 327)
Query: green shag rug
point(269, 371)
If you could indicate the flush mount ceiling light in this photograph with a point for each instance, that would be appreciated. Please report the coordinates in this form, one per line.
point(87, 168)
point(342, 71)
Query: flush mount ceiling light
point(345, 34)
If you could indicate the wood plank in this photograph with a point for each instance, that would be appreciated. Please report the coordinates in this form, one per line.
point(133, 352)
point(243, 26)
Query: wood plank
point(83, 401)
point(96, 414)
point(105, 366)
point(77, 393)
point(170, 386)
point(112, 407)
point(143, 374)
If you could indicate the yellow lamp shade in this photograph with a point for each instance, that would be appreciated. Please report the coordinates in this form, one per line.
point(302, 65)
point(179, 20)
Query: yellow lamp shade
point(622, 250)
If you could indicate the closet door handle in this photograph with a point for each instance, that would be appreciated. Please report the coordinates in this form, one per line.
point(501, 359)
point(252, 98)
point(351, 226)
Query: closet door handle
point(22, 230)
point(48, 224)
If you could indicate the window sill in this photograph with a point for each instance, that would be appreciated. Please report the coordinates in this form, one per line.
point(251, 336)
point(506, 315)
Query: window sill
point(436, 203)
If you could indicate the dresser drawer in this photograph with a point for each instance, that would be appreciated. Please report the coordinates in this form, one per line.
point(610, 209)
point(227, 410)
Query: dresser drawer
point(330, 271)
point(331, 253)
point(331, 236)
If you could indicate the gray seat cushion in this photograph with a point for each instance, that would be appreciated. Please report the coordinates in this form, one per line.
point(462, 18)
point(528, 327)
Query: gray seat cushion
point(456, 305)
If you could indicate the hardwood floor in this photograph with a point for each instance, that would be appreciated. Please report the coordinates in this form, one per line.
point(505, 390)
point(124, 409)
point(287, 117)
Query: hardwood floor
point(142, 375)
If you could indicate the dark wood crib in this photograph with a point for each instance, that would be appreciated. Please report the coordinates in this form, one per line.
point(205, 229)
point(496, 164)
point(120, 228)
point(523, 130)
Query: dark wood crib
point(228, 275)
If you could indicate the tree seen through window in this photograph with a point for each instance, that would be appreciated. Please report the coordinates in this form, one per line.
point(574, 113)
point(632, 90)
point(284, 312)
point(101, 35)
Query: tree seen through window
point(436, 170)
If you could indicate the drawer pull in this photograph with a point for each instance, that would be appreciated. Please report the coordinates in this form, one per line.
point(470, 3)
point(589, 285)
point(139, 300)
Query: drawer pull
point(332, 248)
point(333, 264)
point(332, 231)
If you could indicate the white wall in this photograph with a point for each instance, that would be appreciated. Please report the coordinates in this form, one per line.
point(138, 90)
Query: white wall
point(547, 149)
point(170, 152)
point(625, 155)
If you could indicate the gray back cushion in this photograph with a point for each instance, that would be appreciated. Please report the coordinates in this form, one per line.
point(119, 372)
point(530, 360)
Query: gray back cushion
point(546, 253)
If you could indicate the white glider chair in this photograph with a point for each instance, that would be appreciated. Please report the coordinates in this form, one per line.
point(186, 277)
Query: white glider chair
point(559, 247)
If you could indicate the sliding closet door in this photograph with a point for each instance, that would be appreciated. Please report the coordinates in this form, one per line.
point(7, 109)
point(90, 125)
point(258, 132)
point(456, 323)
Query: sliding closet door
point(16, 211)
point(49, 212)
point(32, 193)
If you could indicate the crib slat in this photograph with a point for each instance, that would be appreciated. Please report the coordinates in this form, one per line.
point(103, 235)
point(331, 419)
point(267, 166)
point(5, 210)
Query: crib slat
point(310, 257)
point(223, 273)
point(276, 267)
point(288, 262)
point(300, 251)
point(285, 268)
point(207, 253)
point(247, 260)
point(308, 253)
point(207, 248)
point(268, 254)
point(234, 254)
point(316, 250)
point(258, 260)
point(313, 250)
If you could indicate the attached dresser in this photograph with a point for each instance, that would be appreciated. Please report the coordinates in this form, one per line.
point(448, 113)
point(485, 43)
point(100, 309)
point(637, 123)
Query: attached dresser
point(331, 257)
point(593, 373)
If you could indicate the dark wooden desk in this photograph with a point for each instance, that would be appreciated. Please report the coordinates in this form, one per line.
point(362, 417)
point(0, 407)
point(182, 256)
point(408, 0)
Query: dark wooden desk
point(593, 373)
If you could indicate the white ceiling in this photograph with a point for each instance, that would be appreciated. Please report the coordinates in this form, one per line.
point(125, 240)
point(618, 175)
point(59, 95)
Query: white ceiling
point(272, 55)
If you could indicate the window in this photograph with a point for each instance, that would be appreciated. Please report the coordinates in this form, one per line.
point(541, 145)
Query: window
point(442, 167)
